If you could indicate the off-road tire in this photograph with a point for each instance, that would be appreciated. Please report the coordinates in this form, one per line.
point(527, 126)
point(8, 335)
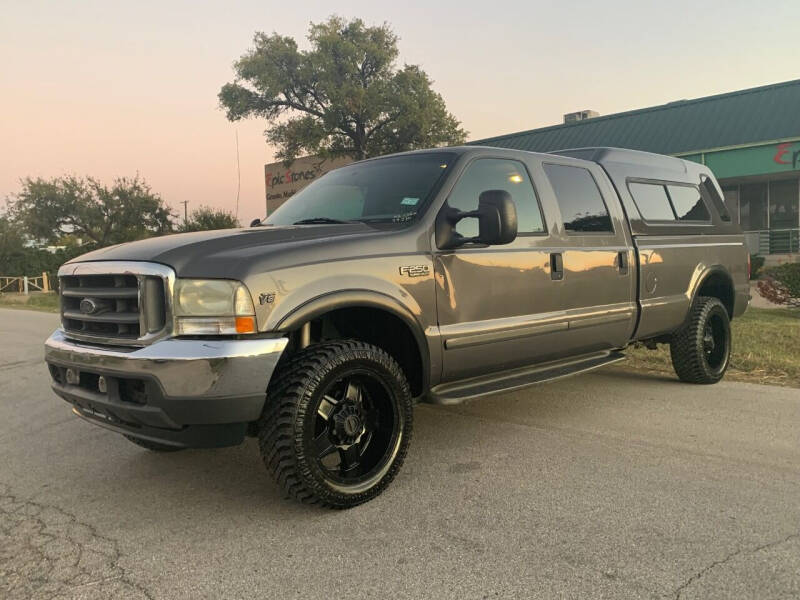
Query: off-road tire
point(688, 348)
point(152, 446)
point(292, 397)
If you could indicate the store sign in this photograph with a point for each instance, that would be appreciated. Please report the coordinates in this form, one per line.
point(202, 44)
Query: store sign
point(752, 160)
point(282, 182)
point(788, 153)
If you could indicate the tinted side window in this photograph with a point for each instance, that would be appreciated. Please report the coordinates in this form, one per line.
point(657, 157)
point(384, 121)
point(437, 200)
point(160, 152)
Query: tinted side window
point(711, 191)
point(652, 201)
point(579, 198)
point(688, 203)
point(497, 174)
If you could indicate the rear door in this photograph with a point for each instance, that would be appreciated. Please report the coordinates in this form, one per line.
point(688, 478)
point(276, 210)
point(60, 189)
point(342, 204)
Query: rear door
point(596, 256)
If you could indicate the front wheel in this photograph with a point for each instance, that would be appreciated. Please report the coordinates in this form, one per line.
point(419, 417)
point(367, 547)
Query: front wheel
point(337, 423)
point(701, 348)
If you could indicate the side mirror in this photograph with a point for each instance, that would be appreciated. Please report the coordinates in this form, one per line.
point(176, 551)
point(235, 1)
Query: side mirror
point(497, 221)
point(255, 222)
point(497, 218)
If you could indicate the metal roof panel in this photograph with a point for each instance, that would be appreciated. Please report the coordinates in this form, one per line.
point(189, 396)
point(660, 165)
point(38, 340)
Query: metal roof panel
point(736, 118)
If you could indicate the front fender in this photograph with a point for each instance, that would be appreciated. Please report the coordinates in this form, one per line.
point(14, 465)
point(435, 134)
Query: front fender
point(353, 298)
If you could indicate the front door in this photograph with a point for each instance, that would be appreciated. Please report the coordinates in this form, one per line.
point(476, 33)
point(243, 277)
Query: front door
point(493, 302)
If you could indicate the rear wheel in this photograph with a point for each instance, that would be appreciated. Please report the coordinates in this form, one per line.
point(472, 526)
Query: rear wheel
point(153, 446)
point(337, 423)
point(701, 349)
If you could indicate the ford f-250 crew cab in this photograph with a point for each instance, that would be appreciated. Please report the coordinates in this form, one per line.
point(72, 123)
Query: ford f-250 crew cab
point(435, 276)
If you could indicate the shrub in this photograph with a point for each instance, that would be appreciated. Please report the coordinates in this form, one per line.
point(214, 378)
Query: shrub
point(781, 284)
point(756, 262)
point(207, 219)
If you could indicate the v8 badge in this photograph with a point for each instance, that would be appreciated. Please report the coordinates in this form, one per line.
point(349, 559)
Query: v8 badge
point(267, 298)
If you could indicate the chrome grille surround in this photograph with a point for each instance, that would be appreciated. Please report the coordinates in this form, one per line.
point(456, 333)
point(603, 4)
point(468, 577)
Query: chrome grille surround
point(123, 274)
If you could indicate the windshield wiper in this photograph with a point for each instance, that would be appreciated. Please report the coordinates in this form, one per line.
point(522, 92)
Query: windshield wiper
point(321, 221)
point(392, 219)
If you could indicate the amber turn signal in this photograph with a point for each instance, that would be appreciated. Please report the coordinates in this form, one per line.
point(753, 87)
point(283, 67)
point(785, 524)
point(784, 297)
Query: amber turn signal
point(245, 324)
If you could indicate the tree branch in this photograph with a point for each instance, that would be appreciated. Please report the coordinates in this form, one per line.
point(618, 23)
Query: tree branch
point(381, 125)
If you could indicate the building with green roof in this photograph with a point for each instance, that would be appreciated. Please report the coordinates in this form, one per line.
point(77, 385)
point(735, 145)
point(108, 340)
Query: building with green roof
point(750, 139)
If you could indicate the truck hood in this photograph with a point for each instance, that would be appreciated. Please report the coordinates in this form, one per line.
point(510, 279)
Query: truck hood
point(226, 252)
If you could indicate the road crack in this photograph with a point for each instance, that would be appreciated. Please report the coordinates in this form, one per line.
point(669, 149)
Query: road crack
point(20, 363)
point(47, 553)
point(741, 551)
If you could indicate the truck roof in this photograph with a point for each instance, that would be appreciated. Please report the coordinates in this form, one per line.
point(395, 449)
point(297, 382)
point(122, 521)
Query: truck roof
point(600, 154)
point(621, 166)
point(636, 159)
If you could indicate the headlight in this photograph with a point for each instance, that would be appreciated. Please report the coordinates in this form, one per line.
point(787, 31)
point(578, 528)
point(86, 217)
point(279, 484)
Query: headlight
point(213, 307)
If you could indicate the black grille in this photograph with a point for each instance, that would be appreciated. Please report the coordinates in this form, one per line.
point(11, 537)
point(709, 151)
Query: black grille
point(108, 306)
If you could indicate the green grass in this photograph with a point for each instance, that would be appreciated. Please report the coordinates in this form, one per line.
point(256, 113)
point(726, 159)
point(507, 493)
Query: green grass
point(41, 302)
point(766, 349)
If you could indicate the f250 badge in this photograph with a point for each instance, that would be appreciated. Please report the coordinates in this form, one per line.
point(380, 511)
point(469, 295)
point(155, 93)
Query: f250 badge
point(415, 270)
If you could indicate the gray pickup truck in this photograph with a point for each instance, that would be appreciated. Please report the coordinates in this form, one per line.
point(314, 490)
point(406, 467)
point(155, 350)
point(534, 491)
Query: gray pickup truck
point(435, 276)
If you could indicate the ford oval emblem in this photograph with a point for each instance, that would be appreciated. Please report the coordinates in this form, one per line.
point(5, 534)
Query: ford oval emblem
point(88, 306)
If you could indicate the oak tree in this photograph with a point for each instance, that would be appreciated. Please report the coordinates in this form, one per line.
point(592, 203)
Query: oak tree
point(100, 215)
point(345, 96)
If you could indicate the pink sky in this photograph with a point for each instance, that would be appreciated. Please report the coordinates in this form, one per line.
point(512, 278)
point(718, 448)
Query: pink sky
point(111, 89)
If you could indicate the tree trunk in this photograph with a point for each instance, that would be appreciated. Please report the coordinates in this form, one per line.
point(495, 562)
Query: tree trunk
point(361, 141)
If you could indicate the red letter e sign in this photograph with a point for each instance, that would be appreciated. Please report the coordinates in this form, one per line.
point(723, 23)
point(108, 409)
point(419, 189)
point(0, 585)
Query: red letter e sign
point(782, 149)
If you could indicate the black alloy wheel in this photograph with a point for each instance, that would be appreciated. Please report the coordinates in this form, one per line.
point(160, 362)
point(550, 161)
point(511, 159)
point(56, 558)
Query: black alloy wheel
point(701, 348)
point(355, 429)
point(337, 423)
point(715, 342)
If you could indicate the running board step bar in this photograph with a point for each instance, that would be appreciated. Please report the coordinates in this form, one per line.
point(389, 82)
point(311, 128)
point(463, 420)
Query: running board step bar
point(494, 383)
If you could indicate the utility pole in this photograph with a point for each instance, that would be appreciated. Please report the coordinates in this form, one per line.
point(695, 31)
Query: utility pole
point(185, 211)
point(238, 175)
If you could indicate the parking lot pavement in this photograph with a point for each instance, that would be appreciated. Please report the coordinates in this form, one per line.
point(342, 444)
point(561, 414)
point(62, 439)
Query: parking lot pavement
point(607, 485)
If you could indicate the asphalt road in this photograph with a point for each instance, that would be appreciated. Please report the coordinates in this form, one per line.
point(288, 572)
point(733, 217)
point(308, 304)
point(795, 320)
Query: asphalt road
point(607, 485)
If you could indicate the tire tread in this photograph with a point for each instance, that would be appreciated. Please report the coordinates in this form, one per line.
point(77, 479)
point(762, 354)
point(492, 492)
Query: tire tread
point(288, 397)
point(686, 348)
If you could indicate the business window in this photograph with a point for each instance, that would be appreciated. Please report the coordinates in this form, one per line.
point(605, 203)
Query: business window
point(783, 205)
point(753, 206)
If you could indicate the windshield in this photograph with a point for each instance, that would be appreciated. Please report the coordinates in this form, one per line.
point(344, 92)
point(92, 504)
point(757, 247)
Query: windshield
point(388, 190)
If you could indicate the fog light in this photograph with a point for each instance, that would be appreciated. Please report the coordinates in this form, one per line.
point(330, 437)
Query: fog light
point(102, 386)
point(73, 377)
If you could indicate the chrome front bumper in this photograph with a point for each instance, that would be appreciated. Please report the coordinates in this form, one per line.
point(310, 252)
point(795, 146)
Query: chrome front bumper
point(179, 382)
